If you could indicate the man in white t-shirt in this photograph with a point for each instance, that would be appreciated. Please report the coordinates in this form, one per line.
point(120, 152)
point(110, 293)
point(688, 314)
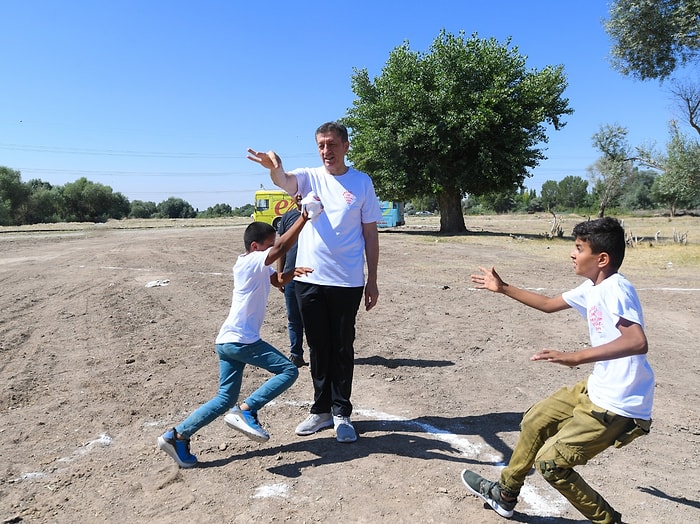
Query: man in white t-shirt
point(336, 245)
point(611, 408)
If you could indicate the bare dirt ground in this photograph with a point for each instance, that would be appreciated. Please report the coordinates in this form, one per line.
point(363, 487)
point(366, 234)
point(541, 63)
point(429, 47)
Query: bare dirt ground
point(95, 365)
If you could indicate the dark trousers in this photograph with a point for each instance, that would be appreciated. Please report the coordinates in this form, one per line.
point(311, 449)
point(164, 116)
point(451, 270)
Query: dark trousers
point(329, 313)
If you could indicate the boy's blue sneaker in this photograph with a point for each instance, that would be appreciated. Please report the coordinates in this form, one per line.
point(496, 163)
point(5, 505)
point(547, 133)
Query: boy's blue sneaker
point(490, 492)
point(247, 423)
point(178, 449)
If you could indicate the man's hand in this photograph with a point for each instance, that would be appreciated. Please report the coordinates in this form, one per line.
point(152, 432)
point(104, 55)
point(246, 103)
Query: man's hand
point(269, 160)
point(371, 296)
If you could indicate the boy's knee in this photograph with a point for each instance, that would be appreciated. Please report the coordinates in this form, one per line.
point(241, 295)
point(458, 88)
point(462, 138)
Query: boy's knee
point(555, 460)
point(552, 472)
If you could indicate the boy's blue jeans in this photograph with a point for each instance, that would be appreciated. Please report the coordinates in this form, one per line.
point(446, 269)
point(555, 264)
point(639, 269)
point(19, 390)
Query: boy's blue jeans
point(562, 431)
point(232, 361)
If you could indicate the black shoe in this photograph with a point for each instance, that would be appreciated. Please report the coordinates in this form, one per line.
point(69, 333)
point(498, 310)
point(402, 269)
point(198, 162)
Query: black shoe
point(490, 492)
point(298, 361)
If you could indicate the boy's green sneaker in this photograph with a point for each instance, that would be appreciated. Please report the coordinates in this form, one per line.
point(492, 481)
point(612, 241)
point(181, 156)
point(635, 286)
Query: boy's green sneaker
point(490, 492)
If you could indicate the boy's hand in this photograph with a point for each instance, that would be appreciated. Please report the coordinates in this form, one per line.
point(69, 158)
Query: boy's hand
point(556, 357)
point(302, 271)
point(488, 280)
point(269, 160)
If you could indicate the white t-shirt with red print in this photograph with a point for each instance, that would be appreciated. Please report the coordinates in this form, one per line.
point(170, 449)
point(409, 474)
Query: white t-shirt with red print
point(623, 385)
point(332, 244)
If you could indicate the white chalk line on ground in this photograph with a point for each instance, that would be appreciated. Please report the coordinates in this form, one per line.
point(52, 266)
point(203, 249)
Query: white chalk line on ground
point(539, 505)
point(103, 440)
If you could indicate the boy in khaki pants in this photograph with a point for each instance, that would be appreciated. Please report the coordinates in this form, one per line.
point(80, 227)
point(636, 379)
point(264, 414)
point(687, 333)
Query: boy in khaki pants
point(611, 408)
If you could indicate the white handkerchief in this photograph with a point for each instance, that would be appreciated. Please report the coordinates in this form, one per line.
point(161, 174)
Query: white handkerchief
point(312, 204)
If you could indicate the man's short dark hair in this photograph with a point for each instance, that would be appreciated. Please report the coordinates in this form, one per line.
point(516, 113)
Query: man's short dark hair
point(604, 235)
point(257, 232)
point(333, 127)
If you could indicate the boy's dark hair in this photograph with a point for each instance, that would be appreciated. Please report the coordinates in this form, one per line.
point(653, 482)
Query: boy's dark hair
point(604, 235)
point(333, 127)
point(257, 232)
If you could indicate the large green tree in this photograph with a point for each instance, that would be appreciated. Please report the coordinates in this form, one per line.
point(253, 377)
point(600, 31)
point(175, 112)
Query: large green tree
point(652, 38)
point(465, 117)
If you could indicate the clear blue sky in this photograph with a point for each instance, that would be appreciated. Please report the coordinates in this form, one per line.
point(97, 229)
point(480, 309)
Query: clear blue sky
point(158, 99)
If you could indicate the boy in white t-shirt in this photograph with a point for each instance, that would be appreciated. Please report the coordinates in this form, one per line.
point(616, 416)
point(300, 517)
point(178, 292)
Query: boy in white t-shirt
point(611, 408)
point(238, 343)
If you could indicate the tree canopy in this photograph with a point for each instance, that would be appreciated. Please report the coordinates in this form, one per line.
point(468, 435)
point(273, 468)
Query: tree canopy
point(466, 117)
point(611, 170)
point(679, 183)
point(652, 38)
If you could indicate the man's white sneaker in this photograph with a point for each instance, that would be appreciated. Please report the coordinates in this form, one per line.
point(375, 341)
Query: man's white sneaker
point(344, 430)
point(313, 423)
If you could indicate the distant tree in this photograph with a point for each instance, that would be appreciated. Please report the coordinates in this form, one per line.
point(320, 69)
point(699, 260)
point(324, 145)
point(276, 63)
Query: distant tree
point(426, 203)
point(45, 203)
point(679, 184)
point(244, 211)
point(652, 38)
point(176, 208)
point(499, 202)
point(86, 201)
point(636, 193)
point(13, 196)
point(5, 213)
point(611, 170)
point(141, 209)
point(526, 200)
point(217, 210)
point(687, 97)
point(465, 118)
point(119, 207)
point(550, 195)
point(572, 192)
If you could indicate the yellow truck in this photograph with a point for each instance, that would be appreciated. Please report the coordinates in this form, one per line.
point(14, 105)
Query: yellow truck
point(270, 205)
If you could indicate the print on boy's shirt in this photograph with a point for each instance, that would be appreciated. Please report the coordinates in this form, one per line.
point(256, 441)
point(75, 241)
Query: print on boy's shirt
point(349, 197)
point(595, 317)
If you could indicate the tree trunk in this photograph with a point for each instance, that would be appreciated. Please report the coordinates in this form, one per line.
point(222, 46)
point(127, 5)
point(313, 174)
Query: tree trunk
point(451, 217)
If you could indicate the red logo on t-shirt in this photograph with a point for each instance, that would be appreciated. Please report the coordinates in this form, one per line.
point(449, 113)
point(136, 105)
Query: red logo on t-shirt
point(595, 317)
point(349, 197)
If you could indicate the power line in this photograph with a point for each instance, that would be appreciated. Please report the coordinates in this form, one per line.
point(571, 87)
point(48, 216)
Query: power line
point(128, 153)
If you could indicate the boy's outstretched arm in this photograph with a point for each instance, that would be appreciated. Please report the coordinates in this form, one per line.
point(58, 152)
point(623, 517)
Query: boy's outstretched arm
point(632, 341)
point(286, 241)
point(286, 278)
point(489, 279)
